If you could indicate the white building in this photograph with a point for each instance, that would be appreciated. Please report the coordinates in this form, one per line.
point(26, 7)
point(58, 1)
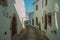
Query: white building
point(31, 15)
point(20, 8)
point(48, 13)
point(38, 14)
point(11, 16)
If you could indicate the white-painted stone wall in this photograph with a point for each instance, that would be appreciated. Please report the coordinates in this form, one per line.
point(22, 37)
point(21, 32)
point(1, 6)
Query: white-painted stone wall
point(5, 21)
point(20, 7)
point(38, 13)
point(53, 6)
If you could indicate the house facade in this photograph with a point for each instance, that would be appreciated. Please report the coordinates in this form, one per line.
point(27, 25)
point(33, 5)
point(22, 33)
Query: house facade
point(47, 13)
point(10, 19)
point(38, 14)
point(21, 10)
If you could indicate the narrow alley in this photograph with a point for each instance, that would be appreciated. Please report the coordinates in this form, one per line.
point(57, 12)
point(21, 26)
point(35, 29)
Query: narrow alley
point(31, 33)
point(29, 19)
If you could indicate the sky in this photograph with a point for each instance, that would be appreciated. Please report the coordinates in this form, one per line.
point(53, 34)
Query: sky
point(29, 5)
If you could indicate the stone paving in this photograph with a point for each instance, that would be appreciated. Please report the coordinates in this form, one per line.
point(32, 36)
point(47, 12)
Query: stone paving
point(31, 34)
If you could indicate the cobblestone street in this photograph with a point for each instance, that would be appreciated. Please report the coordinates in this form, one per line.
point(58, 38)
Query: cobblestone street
point(31, 34)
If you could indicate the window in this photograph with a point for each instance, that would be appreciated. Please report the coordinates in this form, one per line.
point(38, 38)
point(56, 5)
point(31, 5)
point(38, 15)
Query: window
point(3, 2)
point(32, 21)
point(36, 20)
point(37, 7)
point(42, 19)
point(42, 3)
point(46, 3)
point(50, 19)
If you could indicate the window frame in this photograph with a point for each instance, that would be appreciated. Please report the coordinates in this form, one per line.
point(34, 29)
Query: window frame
point(36, 6)
point(46, 2)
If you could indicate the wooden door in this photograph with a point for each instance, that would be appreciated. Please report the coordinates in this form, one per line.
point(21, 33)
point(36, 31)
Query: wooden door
point(13, 26)
point(45, 21)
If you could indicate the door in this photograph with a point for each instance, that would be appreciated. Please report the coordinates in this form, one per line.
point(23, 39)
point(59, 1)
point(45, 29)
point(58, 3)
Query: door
point(32, 21)
point(39, 26)
point(13, 25)
point(45, 22)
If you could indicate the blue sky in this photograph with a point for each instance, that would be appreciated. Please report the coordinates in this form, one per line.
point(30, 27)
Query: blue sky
point(29, 5)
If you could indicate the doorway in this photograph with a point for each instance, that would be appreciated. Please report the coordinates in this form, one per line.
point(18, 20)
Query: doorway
point(45, 22)
point(32, 21)
point(13, 25)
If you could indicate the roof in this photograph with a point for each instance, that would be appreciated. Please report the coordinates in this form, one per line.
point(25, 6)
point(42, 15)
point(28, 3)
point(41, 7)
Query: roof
point(35, 2)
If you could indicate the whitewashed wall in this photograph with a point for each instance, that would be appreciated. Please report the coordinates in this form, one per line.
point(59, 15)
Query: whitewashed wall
point(4, 26)
point(11, 11)
point(54, 7)
point(20, 7)
point(5, 21)
point(38, 13)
